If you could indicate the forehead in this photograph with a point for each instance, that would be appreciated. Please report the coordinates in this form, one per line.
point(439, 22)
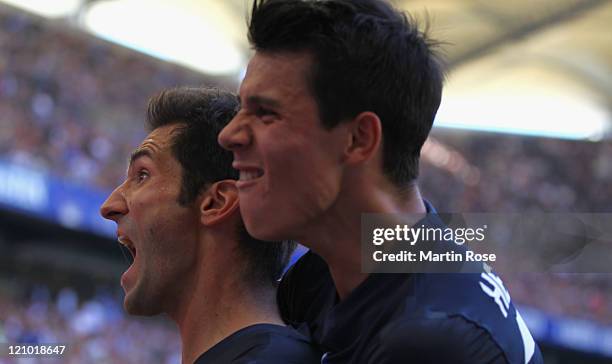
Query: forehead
point(160, 138)
point(156, 145)
point(277, 72)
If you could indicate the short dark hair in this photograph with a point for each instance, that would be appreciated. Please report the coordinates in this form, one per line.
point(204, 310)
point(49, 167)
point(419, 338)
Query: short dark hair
point(201, 114)
point(367, 56)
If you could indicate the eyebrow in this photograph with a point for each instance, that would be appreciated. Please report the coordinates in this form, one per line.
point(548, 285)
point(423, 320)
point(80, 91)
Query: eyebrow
point(262, 100)
point(139, 153)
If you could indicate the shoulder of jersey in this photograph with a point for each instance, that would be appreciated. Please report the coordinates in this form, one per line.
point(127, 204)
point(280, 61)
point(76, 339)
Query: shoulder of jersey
point(481, 299)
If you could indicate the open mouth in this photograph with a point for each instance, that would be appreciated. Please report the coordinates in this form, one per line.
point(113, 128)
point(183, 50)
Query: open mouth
point(250, 174)
point(128, 245)
point(129, 277)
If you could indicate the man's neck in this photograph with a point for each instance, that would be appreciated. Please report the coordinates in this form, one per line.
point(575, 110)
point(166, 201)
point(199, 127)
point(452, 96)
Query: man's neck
point(338, 234)
point(217, 308)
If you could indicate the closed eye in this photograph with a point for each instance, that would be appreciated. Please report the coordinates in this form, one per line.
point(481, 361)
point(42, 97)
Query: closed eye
point(265, 114)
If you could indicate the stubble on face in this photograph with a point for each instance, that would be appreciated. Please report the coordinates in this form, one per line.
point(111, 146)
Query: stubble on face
point(166, 233)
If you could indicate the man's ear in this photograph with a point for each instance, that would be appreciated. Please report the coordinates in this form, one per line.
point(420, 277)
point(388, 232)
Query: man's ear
point(365, 137)
point(219, 202)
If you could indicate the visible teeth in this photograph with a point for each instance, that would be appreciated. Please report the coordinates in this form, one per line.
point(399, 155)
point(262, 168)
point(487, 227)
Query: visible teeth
point(128, 244)
point(249, 175)
point(123, 240)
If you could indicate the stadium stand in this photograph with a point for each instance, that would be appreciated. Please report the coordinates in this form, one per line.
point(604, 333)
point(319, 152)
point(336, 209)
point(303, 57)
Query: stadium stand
point(71, 107)
point(73, 104)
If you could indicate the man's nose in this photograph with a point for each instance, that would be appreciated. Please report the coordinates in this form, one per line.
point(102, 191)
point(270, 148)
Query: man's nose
point(236, 135)
point(115, 205)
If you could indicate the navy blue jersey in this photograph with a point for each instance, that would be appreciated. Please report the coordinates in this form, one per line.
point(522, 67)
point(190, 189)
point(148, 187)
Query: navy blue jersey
point(262, 343)
point(407, 318)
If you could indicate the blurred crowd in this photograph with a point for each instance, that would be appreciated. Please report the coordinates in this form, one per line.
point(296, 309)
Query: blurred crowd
point(486, 172)
point(94, 330)
point(74, 106)
point(583, 296)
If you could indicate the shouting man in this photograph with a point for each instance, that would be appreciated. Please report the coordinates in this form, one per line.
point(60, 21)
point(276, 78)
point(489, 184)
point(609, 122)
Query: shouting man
point(177, 212)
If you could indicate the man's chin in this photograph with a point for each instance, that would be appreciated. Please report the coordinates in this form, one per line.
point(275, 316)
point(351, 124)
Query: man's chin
point(140, 305)
point(266, 234)
point(260, 230)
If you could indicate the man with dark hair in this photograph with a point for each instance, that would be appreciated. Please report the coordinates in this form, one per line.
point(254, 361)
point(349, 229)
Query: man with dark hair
point(335, 106)
point(177, 213)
